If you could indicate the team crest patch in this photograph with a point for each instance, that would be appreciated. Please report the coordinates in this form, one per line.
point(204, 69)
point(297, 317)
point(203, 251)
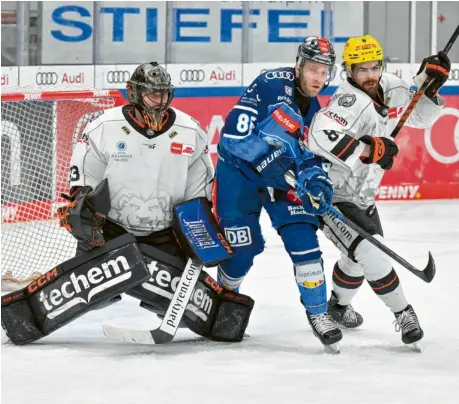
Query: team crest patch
point(347, 100)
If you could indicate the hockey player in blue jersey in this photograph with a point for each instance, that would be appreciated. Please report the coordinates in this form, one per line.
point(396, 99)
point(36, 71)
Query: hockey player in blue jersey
point(261, 140)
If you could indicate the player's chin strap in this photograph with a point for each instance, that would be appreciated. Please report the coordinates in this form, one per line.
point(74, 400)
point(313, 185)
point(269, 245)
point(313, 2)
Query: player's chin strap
point(427, 274)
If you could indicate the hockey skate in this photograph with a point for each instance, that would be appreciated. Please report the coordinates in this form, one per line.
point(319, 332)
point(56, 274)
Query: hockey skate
point(407, 321)
point(325, 329)
point(344, 316)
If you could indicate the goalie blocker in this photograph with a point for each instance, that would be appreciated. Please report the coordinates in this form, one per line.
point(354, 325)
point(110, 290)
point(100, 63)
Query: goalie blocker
point(96, 278)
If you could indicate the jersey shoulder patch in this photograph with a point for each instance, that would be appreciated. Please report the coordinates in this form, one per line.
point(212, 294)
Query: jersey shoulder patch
point(347, 100)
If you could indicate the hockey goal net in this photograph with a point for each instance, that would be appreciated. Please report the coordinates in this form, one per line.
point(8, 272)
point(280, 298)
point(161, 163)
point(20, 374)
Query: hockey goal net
point(39, 131)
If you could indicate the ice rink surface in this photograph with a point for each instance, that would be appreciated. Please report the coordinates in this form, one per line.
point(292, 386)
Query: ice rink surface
point(282, 363)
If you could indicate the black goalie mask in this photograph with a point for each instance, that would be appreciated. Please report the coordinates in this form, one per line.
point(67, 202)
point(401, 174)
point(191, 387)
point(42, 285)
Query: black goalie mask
point(151, 78)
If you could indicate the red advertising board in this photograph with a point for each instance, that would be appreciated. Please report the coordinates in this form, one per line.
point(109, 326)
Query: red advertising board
point(427, 166)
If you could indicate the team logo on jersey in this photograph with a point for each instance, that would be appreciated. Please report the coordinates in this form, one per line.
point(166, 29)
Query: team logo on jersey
point(288, 91)
point(121, 146)
point(126, 130)
point(182, 149)
point(347, 100)
point(173, 134)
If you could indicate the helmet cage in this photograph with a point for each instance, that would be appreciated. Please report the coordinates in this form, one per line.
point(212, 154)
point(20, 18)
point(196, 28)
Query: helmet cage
point(143, 81)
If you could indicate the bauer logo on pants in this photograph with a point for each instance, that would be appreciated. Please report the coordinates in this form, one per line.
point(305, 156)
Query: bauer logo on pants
point(238, 236)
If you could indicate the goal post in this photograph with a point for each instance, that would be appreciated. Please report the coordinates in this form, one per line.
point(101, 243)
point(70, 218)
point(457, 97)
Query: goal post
point(39, 131)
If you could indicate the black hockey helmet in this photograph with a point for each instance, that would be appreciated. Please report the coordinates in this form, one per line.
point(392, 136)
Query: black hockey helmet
point(319, 50)
point(150, 78)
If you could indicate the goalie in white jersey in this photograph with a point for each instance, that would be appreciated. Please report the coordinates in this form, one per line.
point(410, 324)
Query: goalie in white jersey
point(353, 133)
point(140, 184)
point(153, 156)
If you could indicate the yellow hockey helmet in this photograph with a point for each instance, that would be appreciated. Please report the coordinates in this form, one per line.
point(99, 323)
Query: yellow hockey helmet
point(362, 49)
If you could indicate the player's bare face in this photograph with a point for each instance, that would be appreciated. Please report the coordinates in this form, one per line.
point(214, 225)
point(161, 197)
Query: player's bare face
point(313, 77)
point(367, 76)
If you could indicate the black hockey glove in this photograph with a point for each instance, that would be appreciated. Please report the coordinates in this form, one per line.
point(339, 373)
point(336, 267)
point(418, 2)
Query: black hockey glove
point(84, 217)
point(382, 151)
point(437, 67)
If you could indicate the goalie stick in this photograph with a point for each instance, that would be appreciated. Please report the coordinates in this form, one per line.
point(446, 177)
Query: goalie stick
point(168, 328)
point(427, 274)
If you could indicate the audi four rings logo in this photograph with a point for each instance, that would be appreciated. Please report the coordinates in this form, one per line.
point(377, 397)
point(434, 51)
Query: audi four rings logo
point(46, 78)
point(195, 76)
point(118, 76)
point(280, 75)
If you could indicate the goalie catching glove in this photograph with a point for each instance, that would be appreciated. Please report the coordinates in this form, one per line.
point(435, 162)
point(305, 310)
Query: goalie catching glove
point(84, 217)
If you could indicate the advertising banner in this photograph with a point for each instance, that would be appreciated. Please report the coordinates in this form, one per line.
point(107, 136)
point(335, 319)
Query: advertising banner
point(190, 32)
point(187, 76)
point(427, 166)
point(10, 78)
point(38, 78)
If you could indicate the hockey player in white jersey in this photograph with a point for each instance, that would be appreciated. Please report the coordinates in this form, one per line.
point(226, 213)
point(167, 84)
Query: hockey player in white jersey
point(153, 155)
point(140, 184)
point(353, 133)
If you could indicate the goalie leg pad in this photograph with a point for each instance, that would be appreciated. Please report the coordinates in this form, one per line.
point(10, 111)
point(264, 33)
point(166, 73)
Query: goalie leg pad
point(211, 312)
point(83, 283)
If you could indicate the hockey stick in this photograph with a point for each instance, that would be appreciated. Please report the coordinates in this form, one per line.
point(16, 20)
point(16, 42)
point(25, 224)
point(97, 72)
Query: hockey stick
point(168, 328)
point(417, 96)
point(427, 274)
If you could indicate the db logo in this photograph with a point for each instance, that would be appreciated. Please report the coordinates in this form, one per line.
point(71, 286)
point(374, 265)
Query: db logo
point(444, 129)
point(238, 236)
